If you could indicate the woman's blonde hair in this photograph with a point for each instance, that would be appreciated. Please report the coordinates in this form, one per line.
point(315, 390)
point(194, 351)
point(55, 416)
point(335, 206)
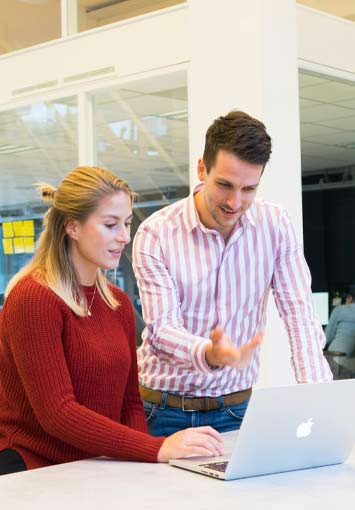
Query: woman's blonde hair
point(76, 198)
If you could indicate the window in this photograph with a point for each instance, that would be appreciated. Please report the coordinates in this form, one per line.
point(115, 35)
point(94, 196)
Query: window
point(142, 135)
point(38, 144)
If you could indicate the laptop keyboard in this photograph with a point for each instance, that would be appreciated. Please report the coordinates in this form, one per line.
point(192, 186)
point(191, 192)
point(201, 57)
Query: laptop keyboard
point(217, 466)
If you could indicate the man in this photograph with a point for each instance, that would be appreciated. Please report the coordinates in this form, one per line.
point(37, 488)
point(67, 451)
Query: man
point(340, 335)
point(204, 267)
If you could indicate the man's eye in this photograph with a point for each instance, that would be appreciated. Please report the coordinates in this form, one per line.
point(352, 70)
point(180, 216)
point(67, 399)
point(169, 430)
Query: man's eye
point(223, 184)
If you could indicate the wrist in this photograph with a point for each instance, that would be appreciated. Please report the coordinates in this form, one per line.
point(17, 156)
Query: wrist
point(210, 358)
point(161, 457)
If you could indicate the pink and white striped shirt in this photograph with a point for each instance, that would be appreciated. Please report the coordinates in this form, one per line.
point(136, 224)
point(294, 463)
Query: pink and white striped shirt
point(190, 280)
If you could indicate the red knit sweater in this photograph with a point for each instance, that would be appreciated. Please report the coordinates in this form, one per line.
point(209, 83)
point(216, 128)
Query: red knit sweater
point(68, 385)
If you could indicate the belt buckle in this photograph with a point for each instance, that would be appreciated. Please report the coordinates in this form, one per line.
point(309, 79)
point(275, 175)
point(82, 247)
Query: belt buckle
point(183, 405)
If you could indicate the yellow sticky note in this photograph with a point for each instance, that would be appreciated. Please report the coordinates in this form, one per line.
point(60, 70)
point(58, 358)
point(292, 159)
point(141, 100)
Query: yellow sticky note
point(7, 230)
point(18, 228)
point(29, 243)
point(7, 246)
point(19, 245)
point(28, 228)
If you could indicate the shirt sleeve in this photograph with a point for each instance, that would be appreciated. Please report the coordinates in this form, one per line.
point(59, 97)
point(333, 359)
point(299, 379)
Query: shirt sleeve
point(40, 360)
point(291, 285)
point(160, 298)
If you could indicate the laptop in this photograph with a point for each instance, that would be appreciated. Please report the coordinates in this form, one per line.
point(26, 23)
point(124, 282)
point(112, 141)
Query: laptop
point(285, 429)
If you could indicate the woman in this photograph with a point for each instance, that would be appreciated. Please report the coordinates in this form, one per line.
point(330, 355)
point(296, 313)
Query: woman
point(68, 374)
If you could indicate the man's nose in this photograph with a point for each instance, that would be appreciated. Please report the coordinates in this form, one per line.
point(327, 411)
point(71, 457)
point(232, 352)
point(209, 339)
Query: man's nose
point(235, 200)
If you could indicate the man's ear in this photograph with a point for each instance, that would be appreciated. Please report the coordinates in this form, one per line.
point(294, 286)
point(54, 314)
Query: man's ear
point(72, 229)
point(201, 170)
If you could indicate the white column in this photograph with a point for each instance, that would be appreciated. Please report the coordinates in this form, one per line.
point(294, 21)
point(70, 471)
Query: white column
point(86, 130)
point(244, 56)
point(69, 17)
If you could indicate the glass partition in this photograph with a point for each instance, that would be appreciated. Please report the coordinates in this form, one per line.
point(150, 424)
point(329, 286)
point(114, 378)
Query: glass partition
point(142, 135)
point(38, 144)
point(327, 114)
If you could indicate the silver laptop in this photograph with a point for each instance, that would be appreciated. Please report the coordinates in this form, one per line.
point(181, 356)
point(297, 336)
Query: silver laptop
point(284, 429)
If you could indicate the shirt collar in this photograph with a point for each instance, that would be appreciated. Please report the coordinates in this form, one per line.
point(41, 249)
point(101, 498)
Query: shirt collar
point(249, 218)
point(192, 219)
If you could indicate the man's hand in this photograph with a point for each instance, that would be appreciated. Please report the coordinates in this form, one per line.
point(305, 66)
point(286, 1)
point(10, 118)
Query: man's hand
point(222, 352)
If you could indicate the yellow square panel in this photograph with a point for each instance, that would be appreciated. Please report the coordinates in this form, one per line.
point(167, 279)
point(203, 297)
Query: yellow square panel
point(29, 243)
point(18, 228)
point(28, 228)
point(19, 245)
point(7, 246)
point(7, 229)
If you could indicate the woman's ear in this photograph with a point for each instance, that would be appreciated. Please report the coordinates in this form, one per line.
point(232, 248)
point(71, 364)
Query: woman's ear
point(72, 229)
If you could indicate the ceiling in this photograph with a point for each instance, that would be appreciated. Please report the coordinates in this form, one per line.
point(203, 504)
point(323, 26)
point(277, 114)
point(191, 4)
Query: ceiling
point(327, 117)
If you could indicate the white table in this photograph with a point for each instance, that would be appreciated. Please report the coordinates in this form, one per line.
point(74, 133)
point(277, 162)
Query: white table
point(100, 484)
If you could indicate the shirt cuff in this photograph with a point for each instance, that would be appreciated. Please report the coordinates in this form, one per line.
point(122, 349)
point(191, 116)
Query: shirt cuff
point(198, 356)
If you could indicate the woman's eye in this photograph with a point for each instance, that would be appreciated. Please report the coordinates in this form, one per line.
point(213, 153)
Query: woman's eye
point(110, 225)
point(128, 225)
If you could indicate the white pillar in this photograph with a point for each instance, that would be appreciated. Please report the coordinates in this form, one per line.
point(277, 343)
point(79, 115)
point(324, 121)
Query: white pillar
point(244, 56)
point(69, 17)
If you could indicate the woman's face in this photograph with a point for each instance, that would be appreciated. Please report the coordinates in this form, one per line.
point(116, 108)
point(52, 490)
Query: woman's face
point(99, 241)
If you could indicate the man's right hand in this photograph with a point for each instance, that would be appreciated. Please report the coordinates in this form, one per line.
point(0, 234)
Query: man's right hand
point(221, 350)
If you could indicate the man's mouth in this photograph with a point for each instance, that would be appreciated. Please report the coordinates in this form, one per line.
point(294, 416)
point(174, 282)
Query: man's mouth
point(229, 212)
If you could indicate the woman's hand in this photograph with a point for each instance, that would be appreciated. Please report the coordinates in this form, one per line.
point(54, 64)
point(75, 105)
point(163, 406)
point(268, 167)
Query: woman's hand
point(201, 441)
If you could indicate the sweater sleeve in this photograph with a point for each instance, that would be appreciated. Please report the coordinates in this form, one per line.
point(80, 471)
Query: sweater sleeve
point(132, 413)
point(34, 325)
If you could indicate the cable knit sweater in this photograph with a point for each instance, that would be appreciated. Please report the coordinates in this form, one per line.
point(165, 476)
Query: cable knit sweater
point(68, 384)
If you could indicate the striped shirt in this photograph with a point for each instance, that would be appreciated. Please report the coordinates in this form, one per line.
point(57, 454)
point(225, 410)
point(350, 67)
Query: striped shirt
point(190, 281)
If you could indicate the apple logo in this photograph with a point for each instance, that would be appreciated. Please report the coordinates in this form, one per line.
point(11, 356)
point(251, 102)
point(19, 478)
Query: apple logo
point(304, 429)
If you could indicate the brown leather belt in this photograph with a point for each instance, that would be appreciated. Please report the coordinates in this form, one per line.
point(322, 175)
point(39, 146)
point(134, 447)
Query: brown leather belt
point(187, 403)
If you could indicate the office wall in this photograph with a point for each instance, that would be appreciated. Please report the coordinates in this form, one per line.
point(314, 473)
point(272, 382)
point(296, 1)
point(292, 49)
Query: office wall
point(325, 42)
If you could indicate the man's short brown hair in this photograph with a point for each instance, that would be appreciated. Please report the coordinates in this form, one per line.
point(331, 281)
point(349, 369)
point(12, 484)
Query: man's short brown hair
point(240, 134)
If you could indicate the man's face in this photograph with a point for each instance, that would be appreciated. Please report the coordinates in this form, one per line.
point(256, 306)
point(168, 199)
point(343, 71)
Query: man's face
point(229, 190)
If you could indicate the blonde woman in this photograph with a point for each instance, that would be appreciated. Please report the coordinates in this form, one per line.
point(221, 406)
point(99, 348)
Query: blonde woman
point(68, 372)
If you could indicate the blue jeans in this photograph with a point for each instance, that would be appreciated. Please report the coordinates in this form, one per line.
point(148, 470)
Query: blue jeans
point(164, 421)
